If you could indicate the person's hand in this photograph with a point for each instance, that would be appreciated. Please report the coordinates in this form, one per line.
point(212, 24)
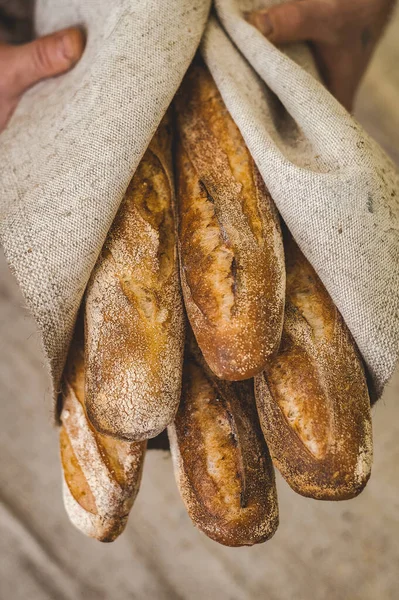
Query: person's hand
point(23, 66)
point(343, 34)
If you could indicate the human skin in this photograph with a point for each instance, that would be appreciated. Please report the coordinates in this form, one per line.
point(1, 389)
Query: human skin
point(22, 66)
point(342, 33)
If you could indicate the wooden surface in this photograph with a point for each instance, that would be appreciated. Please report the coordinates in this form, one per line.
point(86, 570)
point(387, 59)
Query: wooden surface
point(322, 550)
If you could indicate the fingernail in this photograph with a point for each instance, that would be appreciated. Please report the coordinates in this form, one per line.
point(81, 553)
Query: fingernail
point(68, 48)
point(261, 21)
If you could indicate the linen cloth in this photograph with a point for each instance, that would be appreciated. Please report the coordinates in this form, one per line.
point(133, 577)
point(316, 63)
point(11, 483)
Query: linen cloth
point(73, 144)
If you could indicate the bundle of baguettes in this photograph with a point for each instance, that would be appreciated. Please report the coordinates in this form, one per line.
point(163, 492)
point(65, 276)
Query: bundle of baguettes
point(256, 309)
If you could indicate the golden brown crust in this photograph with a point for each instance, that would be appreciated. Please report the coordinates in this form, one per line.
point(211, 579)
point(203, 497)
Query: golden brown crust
point(222, 465)
point(101, 475)
point(134, 313)
point(231, 252)
point(312, 398)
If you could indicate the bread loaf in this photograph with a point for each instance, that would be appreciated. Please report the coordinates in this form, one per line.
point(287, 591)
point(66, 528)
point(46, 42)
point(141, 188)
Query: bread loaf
point(312, 398)
point(221, 462)
point(101, 475)
point(231, 251)
point(134, 314)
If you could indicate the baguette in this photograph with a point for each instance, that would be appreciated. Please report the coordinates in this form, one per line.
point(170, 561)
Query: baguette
point(134, 311)
point(230, 246)
point(222, 466)
point(312, 398)
point(101, 475)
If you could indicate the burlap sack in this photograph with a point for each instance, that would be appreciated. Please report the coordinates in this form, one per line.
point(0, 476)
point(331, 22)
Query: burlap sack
point(74, 143)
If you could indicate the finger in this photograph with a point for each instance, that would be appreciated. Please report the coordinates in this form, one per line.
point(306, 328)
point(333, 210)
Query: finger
point(296, 21)
point(45, 57)
point(341, 69)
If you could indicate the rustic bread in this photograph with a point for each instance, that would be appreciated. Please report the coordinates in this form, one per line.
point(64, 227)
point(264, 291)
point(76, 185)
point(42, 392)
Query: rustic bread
point(221, 462)
point(101, 475)
point(312, 398)
point(134, 313)
point(231, 251)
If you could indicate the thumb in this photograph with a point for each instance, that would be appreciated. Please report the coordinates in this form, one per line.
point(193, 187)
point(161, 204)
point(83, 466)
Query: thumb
point(51, 55)
point(295, 21)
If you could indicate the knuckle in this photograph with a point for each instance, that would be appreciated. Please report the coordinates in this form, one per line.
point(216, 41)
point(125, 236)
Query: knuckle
point(42, 57)
point(297, 17)
point(290, 21)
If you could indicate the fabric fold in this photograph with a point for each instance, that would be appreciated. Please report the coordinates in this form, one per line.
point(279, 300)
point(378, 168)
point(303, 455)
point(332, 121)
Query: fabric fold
point(74, 142)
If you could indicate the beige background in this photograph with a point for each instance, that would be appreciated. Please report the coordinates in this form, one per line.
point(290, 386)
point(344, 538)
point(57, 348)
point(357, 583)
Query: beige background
point(323, 551)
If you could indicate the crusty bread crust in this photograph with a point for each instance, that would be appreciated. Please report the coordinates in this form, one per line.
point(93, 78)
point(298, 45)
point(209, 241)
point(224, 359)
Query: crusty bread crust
point(221, 462)
point(231, 251)
point(312, 398)
point(101, 475)
point(134, 313)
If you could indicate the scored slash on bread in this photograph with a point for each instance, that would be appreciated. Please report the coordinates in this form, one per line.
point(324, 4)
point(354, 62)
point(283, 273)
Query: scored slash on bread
point(230, 246)
point(134, 322)
point(312, 398)
point(101, 475)
point(222, 466)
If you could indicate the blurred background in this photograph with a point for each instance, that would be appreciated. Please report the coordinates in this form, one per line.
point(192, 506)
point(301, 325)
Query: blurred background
point(322, 550)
